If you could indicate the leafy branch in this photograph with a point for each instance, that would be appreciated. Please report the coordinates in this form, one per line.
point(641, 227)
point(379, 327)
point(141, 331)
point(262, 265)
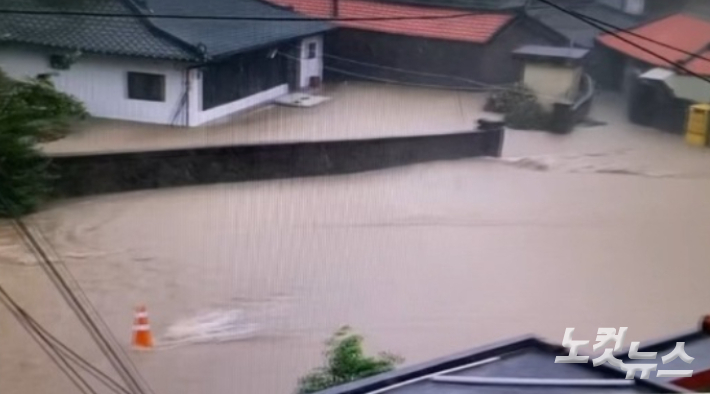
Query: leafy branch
point(345, 361)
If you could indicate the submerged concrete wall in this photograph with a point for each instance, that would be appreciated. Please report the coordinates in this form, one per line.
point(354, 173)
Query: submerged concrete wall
point(110, 173)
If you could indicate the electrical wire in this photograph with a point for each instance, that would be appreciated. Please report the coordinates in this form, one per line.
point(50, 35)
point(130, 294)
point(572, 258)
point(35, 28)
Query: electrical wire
point(637, 35)
point(125, 359)
point(240, 18)
point(483, 86)
point(73, 356)
point(70, 297)
point(51, 351)
point(402, 70)
point(36, 329)
point(620, 37)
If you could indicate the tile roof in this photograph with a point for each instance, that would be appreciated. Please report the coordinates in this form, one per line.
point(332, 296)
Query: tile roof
point(104, 35)
point(681, 31)
point(221, 37)
point(544, 51)
point(136, 35)
point(491, 5)
point(576, 31)
point(700, 65)
point(476, 28)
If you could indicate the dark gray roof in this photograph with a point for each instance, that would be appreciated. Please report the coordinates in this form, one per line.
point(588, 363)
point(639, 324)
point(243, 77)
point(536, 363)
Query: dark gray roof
point(490, 5)
point(697, 345)
point(120, 36)
point(526, 357)
point(576, 31)
point(543, 51)
point(224, 37)
point(136, 35)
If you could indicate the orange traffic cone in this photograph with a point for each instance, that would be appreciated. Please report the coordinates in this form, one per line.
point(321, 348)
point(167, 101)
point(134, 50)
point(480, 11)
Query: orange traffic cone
point(142, 337)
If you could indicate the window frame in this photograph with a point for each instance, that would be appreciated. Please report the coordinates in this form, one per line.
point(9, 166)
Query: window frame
point(134, 93)
point(311, 46)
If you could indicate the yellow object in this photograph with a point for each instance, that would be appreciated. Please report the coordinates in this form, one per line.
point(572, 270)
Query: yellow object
point(698, 126)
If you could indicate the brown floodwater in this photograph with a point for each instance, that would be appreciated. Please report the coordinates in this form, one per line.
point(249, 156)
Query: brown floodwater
point(604, 227)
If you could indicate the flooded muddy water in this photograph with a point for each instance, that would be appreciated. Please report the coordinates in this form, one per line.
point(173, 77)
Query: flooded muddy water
point(603, 227)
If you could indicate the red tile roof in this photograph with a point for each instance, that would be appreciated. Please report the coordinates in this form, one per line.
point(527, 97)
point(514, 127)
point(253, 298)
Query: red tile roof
point(701, 64)
point(680, 31)
point(477, 28)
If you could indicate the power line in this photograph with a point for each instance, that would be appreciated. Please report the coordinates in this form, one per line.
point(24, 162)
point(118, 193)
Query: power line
point(634, 34)
point(70, 297)
point(51, 351)
point(240, 18)
point(618, 36)
point(483, 86)
point(73, 356)
point(87, 302)
point(49, 341)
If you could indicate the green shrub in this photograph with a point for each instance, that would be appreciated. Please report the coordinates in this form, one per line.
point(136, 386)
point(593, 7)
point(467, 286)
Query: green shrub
point(30, 111)
point(521, 108)
point(504, 100)
point(528, 115)
point(345, 362)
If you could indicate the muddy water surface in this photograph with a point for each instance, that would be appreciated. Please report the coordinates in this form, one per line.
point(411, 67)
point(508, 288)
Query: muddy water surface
point(605, 227)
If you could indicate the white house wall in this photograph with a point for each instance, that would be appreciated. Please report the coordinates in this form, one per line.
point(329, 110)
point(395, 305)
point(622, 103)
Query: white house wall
point(552, 83)
point(199, 117)
point(310, 67)
point(307, 68)
point(100, 82)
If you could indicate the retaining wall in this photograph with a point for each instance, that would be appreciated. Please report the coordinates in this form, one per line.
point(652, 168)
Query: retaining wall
point(110, 173)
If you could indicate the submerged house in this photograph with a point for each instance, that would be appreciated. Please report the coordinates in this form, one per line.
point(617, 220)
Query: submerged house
point(437, 45)
point(125, 61)
point(659, 93)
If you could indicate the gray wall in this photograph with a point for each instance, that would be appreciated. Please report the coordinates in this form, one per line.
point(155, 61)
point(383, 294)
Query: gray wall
point(95, 174)
point(490, 63)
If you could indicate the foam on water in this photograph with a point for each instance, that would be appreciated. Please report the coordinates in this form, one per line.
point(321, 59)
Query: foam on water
point(591, 163)
point(212, 326)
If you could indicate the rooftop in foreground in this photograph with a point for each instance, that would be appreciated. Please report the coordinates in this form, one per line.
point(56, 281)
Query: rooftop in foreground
point(521, 366)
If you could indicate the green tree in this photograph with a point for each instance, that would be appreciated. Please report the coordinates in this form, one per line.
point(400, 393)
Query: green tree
point(30, 111)
point(345, 361)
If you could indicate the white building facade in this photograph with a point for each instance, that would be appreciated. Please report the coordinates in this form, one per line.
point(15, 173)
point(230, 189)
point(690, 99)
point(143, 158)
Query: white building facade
point(158, 91)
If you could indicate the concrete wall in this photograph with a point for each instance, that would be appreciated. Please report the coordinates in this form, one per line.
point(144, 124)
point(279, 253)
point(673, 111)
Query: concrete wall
point(382, 56)
point(689, 88)
point(198, 116)
point(634, 7)
point(94, 174)
point(310, 67)
point(551, 82)
point(101, 82)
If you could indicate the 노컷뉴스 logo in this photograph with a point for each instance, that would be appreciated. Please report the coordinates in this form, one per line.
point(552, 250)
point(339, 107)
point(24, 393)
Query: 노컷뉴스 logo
point(607, 335)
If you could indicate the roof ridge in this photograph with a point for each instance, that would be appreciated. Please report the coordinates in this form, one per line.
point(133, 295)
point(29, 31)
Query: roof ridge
point(143, 12)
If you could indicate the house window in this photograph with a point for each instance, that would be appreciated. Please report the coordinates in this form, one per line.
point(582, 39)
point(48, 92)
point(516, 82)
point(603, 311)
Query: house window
point(144, 86)
point(312, 50)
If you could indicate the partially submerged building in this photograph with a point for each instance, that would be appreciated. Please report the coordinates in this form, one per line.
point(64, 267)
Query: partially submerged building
point(437, 46)
point(659, 92)
point(130, 65)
